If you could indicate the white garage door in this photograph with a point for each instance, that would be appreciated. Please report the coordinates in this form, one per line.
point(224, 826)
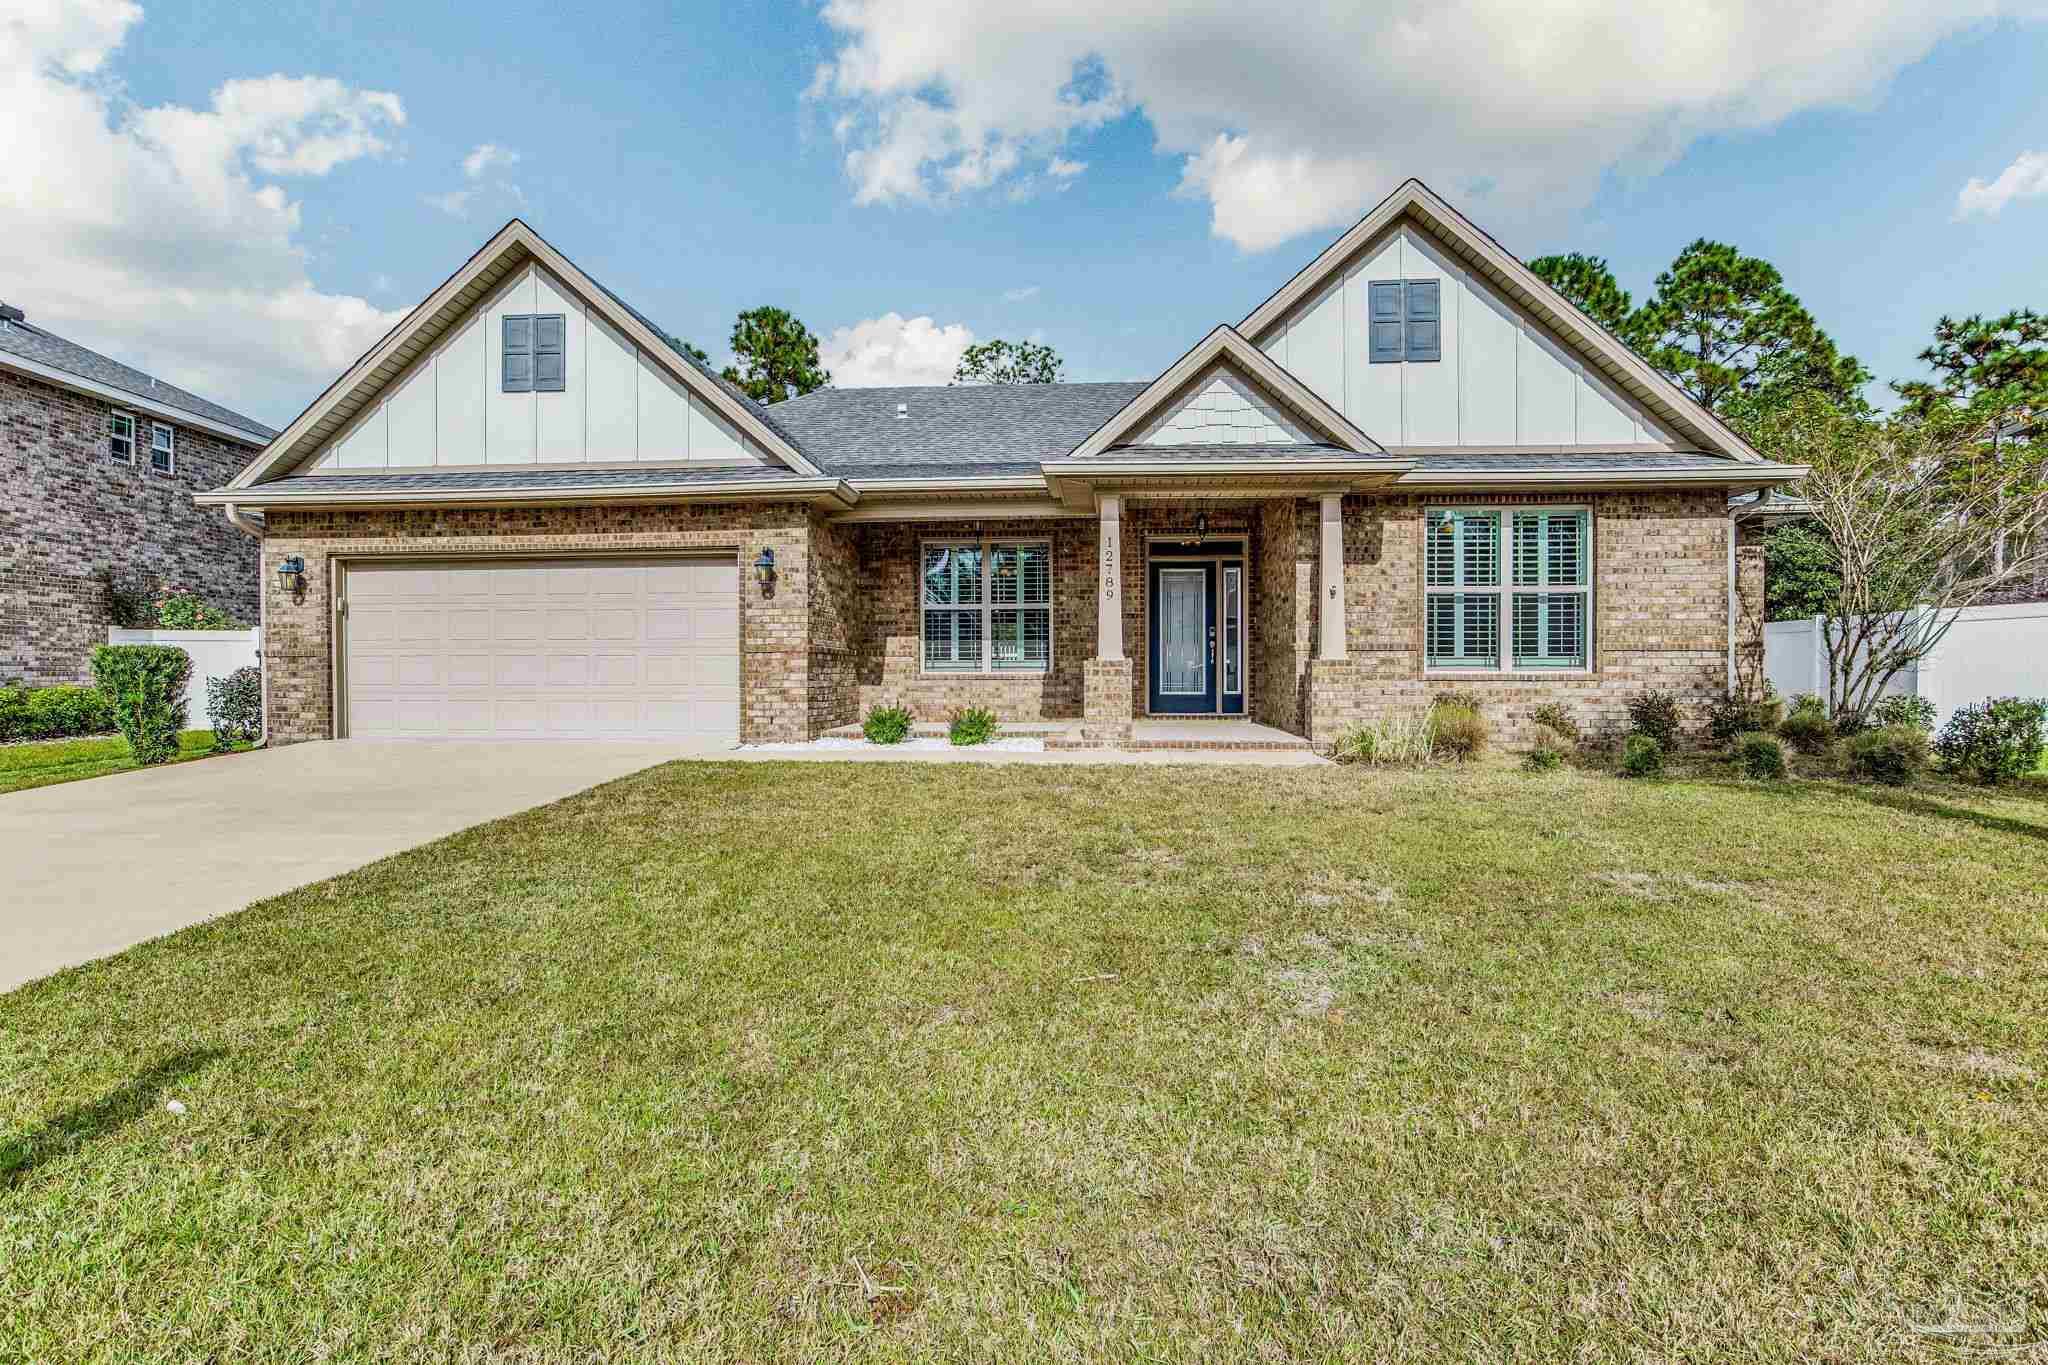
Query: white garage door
point(568, 649)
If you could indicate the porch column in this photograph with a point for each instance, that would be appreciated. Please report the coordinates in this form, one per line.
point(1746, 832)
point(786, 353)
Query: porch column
point(1331, 579)
point(1109, 606)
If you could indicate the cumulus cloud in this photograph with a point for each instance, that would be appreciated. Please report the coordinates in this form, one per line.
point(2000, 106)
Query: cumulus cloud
point(162, 234)
point(2025, 178)
point(486, 156)
point(932, 99)
point(893, 349)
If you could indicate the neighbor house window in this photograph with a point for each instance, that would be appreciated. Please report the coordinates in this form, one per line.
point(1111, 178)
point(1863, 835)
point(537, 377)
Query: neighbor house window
point(121, 437)
point(987, 606)
point(534, 355)
point(162, 448)
point(1406, 322)
point(1507, 588)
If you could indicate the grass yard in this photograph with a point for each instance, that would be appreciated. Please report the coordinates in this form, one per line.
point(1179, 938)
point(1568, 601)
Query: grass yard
point(883, 1062)
point(48, 761)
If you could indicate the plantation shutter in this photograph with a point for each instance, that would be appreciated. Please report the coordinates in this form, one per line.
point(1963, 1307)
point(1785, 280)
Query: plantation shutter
point(1385, 325)
point(549, 368)
point(1423, 323)
point(1549, 628)
point(518, 355)
point(1461, 570)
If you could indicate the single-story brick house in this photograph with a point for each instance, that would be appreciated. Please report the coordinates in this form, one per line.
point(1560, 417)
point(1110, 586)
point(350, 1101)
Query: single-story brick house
point(98, 465)
point(528, 512)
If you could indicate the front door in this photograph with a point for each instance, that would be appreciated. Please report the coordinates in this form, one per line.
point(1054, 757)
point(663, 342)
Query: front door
point(1197, 637)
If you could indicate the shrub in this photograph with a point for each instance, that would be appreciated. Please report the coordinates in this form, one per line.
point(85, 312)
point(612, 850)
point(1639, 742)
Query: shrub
point(1849, 721)
point(146, 686)
point(1892, 754)
point(975, 725)
point(1456, 730)
point(131, 598)
point(53, 712)
point(1553, 717)
point(1546, 755)
point(1655, 714)
point(1641, 756)
point(1400, 739)
point(235, 706)
point(1805, 701)
point(1762, 757)
point(1807, 730)
point(886, 725)
point(181, 610)
point(1731, 717)
point(1899, 709)
point(1993, 741)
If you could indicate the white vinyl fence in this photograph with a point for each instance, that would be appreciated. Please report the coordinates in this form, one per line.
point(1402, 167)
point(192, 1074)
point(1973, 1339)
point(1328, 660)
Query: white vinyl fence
point(1989, 652)
point(215, 654)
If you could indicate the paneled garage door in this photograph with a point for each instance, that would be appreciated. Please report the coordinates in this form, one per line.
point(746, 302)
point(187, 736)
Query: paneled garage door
point(565, 649)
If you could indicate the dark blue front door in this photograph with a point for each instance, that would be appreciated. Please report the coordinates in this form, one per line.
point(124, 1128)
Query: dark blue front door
point(1183, 674)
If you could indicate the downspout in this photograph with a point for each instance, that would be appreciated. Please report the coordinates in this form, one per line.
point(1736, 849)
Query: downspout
point(1732, 519)
point(248, 526)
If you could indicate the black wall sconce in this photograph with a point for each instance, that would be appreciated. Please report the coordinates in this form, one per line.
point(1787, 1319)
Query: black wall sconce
point(291, 575)
point(764, 571)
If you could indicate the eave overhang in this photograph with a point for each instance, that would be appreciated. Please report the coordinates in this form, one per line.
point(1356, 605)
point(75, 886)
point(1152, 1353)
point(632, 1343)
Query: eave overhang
point(1079, 482)
point(828, 492)
point(1735, 475)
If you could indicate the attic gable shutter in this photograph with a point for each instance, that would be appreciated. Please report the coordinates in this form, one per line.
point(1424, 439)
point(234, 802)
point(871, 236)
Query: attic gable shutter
point(518, 366)
point(548, 368)
point(1384, 324)
point(1424, 338)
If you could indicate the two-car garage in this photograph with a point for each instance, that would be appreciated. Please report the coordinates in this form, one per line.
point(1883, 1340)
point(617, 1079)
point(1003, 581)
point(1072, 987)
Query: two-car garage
point(541, 649)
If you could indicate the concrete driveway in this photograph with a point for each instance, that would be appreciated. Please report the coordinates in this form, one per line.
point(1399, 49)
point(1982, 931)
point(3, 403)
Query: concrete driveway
point(97, 866)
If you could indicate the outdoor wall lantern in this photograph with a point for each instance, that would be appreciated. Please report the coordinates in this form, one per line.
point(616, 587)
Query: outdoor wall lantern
point(1201, 530)
point(291, 574)
point(764, 571)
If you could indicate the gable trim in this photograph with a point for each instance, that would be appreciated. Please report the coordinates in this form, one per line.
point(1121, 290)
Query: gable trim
point(394, 354)
point(1226, 344)
point(1429, 211)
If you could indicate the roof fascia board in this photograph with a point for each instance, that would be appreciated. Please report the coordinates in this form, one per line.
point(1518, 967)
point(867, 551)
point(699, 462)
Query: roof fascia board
point(1436, 216)
point(788, 490)
point(1225, 342)
point(1738, 475)
point(123, 398)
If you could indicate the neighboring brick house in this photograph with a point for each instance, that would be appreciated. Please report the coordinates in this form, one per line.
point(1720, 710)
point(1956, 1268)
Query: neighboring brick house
point(1415, 468)
point(98, 466)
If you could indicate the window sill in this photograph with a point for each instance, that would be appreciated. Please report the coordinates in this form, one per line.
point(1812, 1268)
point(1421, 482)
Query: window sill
point(1509, 675)
point(977, 675)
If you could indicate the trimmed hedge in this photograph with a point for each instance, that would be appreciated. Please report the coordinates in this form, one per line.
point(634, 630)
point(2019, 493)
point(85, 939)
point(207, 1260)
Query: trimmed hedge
point(146, 684)
point(58, 712)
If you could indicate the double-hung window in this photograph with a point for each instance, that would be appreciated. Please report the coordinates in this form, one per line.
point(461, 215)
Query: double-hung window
point(162, 448)
point(1507, 588)
point(987, 606)
point(121, 437)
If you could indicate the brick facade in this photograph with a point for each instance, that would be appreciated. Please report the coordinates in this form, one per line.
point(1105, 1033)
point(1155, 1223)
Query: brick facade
point(69, 513)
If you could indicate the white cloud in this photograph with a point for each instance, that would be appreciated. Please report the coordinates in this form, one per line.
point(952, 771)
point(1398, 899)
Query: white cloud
point(1482, 98)
point(486, 156)
point(2026, 178)
point(160, 234)
point(455, 203)
point(1029, 291)
point(893, 349)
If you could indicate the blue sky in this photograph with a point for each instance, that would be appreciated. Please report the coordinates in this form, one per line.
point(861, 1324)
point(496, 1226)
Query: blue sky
point(1113, 193)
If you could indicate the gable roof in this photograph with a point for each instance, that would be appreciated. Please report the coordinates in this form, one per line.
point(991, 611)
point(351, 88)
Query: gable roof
point(511, 248)
point(1227, 347)
point(45, 355)
point(1418, 204)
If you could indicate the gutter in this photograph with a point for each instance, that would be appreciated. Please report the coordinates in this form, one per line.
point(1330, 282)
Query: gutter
point(1542, 477)
point(786, 490)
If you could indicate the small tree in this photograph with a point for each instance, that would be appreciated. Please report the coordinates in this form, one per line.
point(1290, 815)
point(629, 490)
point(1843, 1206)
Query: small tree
point(1007, 362)
point(778, 356)
point(1910, 545)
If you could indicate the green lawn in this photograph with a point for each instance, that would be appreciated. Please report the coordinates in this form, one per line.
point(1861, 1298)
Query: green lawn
point(878, 1062)
point(66, 760)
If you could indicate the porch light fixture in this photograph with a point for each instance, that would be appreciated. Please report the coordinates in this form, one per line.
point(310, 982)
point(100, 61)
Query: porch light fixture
point(1201, 529)
point(764, 570)
point(291, 574)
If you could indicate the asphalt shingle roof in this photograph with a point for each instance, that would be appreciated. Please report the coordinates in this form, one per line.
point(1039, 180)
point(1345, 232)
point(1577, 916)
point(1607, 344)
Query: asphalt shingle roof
point(944, 428)
point(31, 342)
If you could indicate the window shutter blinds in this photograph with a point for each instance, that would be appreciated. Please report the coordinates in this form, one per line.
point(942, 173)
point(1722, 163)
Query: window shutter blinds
point(1385, 325)
point(549, 330)
point(518, 360)
point(1424, 342)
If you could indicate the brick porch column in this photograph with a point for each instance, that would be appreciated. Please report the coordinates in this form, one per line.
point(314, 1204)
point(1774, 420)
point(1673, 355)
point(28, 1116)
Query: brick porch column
point(1106, 678)
point(1330, 580)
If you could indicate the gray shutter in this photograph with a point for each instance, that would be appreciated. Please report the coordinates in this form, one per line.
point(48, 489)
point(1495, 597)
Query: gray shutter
point(518, 366)
point(1384, 325)
point(548, 359)
point(1424, 339)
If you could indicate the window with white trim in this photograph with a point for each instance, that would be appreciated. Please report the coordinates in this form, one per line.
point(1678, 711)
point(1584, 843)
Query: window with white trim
point(987, 606)
point(121, 437)
point(162, 448)
point(1526, 569)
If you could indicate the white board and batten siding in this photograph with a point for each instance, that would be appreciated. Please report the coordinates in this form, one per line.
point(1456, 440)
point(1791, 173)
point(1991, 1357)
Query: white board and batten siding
point(1504, 380)
point(617, 405)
